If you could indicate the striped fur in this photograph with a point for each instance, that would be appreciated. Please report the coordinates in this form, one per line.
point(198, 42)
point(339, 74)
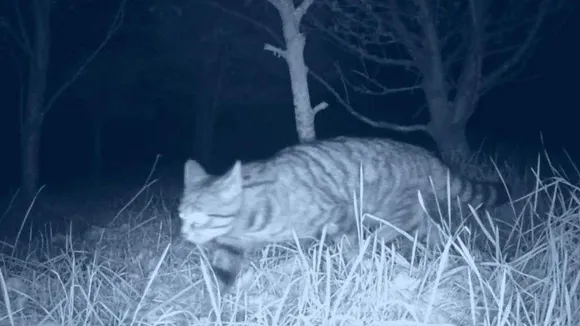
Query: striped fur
point(307, 186)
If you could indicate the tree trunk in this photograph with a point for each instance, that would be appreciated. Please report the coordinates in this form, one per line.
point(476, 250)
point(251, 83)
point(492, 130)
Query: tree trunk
point(452, 143)
point(303, 112)
point(30, 157)
point(448, 121)
point(205, 121)
point(207, 112)
point(31, 129)
point(295, 41)
point(97, 161)
point(448, 126)
point(33, 112)
point(203, 139)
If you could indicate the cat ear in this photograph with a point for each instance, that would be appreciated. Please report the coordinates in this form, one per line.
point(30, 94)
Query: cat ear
point(232, 181)
point(193, 172)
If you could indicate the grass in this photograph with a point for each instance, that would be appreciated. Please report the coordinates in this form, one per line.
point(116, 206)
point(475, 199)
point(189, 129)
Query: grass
point(141, 273)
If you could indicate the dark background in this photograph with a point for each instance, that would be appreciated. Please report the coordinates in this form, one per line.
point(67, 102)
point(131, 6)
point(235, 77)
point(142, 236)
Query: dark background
point(162, 66)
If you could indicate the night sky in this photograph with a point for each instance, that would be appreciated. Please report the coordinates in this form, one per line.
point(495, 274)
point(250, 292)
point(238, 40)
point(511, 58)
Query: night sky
point(162, 65)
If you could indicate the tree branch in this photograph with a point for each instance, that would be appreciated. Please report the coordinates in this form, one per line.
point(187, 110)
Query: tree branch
point(361, 28)
point(20, 35)
point(245, 18)
point(320, 107)
point(382, 89)
point(492, 78)
point(367, 120)
point(276, 51)
point(302, 9)
point(410, 40)
point(115, 25)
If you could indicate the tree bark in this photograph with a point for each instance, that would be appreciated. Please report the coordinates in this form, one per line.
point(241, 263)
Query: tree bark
point(30, 157)
point(303, 112)
point(33, 111)
point(448, 120)
point(448, 126)
point(97, 161)
point(204, 127)
point(206, 116)
point(451, 140)
point(31, 128)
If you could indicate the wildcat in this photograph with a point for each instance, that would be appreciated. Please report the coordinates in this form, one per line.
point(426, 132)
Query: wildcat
point(305, 187)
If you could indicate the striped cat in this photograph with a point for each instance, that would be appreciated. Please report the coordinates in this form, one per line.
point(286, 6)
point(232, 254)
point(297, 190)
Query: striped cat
point(307, 186)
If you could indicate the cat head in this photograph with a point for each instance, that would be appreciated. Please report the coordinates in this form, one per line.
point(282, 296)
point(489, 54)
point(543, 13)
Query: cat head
point(209, 203)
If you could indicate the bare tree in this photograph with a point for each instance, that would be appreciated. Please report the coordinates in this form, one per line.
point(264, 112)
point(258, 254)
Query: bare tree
point(454, 50)
point(201, 65)
point(29, 26)
point(295, 41)
point(207, 115)
point(289, 47)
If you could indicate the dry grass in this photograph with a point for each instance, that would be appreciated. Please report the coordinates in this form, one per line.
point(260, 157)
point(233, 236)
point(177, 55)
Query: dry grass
point(141, 273)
